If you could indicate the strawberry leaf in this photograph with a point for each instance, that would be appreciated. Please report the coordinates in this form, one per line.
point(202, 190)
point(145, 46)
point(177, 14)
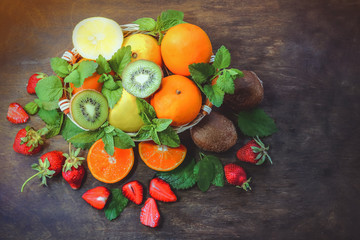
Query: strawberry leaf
point(118, 203)
point(256, 122)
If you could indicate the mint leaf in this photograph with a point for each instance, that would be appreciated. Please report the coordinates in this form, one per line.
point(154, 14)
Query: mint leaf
point(161, 124)
point(60, 66)
point(122, 140)
point(112, 96)
point(154, 136)
point(74, 78)
point(86, 69)
point(214, 94)
point(70, 130)
point(171, 14)
point(108, 140)
point(86, 137)
point(201, 72)
point(109, 82)
point(120, 59)
point(169, 137)
point(219, 176)
point(222, 58)
point(168, 23)
point(146, 24)
point(49, 117)
point(118, 203)
point(144, 133)
point(103, 65)
point(235, 73)
point(54, 129)
point(145, 108)
point(225, 82)
point(181, 177)
point(31, 108)
point(49, 89)
point(47, 105)
point(256, 122)
point(205, 174)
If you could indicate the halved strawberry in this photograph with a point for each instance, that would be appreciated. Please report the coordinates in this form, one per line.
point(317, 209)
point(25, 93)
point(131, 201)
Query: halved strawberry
point(133, 191)
point(150, 215)
point(97, 197)
point(160, 190)
point(16, 114)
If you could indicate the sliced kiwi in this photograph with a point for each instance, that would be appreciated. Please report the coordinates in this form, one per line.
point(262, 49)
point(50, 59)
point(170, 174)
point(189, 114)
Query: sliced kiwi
point(141, 78)
point(89, 109)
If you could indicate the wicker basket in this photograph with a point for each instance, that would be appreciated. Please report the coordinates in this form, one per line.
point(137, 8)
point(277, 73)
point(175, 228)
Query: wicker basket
point(72, 57)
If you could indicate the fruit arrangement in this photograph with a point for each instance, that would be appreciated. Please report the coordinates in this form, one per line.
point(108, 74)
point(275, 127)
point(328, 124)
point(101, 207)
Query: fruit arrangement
point(141, 85)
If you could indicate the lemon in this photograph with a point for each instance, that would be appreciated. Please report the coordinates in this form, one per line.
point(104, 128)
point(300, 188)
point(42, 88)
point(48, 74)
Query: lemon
point(97, 35)
point(125, 114)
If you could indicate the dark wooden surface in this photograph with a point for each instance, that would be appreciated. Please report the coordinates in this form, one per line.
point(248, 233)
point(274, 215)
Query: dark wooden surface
point(307, 54)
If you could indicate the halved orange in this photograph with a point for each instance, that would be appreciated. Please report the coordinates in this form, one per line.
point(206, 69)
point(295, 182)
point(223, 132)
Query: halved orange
point(106, 168)
point(160, 157)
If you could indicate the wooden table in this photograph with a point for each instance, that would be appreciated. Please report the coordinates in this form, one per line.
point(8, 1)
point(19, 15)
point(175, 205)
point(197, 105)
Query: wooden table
point(306, 53)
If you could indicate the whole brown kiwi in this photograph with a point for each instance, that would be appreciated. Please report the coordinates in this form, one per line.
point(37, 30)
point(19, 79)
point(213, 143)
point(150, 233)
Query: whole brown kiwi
point(249, 93)
point(215, 133)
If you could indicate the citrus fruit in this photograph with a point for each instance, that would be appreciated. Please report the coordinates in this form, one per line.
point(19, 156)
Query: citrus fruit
point(89, 83)
point(125, 114)
point(97, 35)
point(106, 168)
point(161, 157)
point(144, 47)
point(185, 44)
point(178, 99)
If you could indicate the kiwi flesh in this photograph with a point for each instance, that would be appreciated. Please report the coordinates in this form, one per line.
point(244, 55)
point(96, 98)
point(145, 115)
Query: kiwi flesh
point(214, 133)
point(141, 78)
point(89, 109)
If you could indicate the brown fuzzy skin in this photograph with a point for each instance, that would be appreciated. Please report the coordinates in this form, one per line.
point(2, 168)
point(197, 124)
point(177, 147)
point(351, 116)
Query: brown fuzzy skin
point(215, 133)
point(249, 93)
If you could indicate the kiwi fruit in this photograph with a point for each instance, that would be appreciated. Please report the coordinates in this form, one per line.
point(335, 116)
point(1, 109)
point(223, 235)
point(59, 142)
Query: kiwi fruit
point(89, 109)
point(214, 133)
point(248, 93)
point(141, 78)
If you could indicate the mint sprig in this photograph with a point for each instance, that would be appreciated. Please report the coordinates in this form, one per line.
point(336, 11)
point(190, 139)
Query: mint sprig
point(120, 59)
point(256, 122)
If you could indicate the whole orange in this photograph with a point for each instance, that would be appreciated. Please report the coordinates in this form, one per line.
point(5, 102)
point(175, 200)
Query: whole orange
point(178, 98)
point(144, 47)
point(185, 44)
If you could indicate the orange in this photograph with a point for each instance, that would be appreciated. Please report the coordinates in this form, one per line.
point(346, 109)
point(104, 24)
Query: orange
point(106, 168)
point(185, 44)
point(178, 98)
point(89, 83)
point(160, 157)
point(143, 47)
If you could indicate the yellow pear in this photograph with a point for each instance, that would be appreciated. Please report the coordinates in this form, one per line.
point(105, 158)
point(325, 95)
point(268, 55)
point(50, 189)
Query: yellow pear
point(125, 114)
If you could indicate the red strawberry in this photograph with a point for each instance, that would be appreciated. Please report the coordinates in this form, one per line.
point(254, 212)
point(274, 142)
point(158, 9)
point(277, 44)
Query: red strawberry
point(33, 80)
point(236, 175)
point(97, 197)
point(50, 164)
point(160, 190)
point(254, 152)
point(133, 191)
point(16, 114)
point(73, 170)
point(150, 215)
point(28, 141)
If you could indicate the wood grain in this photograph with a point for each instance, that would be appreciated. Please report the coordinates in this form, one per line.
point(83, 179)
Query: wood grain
point(306, 53)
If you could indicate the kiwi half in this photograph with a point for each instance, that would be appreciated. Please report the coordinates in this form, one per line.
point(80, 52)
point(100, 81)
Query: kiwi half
point(141, 78)
point(89, 109)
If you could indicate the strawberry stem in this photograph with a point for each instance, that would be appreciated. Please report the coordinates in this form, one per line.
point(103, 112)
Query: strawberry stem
point(36, 174)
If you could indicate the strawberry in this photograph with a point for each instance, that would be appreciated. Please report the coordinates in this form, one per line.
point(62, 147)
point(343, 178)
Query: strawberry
point(133, 191)
point(254, 152)
point(160, 190)
point(97, 197)
point(28, 141)
point(73, 171)
point(150, 215)
point(16, 114)
point(33, 80)
point(50, 164)
point(236, 175)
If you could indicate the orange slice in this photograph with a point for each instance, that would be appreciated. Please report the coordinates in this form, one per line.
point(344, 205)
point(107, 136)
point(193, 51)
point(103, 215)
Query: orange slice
point(106, 168)
point(160, 157)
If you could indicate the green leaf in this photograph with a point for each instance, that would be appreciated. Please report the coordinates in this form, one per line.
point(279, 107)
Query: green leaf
point(123, 140)
point(205, 174)
point(49, 89)
point(168, 23)
point(222, 58)
point(256, 122)
point(219, 178)
point(112, 96)
point(86, 137)
point(108, 140)
point(49, 117)
point(54, 129)
point(215, 94)
point(31, 108)
point(120, 59)
point(235, 73)
point(60, 66)
point(154, 136)
point(47, 105)
point(201, 72)
point(117, 204)
point(181, 177)
point(146, 108)
point(103, 65)
point(161, 124)
point(70, 130)
point(86, 69)
point(169, 137)
point(171, 14)
point(225, 82)
point(146, 24)
point(74, 78)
